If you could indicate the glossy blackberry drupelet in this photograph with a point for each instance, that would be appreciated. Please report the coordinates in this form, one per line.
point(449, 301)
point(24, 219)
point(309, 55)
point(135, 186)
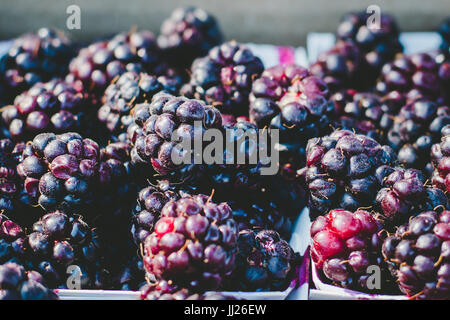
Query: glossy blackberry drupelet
point(151, 200)
point(67, 172)
point(158, 121)
point(34, 57)
point(123, 95)
point(340, 169)
point(378, 45)
point(440, 155)
point(162, 290)
point(18, 284)
point(416, 76)
point(341, 67)
point(415, 129)
point(224, 78)
point(345, 244)
point(405, 194)
point(265, 262)
point(291, 100)
point(418, 255)
point(99, 63)
point(54, 106)
point(59, 241)
point(187, 34)
point(193, 244)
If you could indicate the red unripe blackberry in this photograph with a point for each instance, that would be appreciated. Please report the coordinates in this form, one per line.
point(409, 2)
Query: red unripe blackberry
point(193, 245)
point(345, 244)
point(224, 77)
point(418, 255)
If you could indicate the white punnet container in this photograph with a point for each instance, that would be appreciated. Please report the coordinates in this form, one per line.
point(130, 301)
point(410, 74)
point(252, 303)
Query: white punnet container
point(297, 290)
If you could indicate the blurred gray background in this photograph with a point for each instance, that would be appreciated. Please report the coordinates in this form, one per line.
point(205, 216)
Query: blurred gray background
point(282, 22)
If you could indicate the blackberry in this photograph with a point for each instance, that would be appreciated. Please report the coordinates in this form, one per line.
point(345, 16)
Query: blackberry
point(18, 284)
point(344, 245)
point(187, 34)
point(378, 45)
point(418, 255)
point(59, 241)
point(64, 171)
point(99, 63)
point(404, 194)
point(224, 78)
point(123, 95)
point(440, 155)
point(291, 100)
point(340, 169)
point(162, 290)
point(52, 106)
point(164, 116)
point(364, 112)
point(35, 57)
point(340, 67)
point(415, 77)
point(150, 202)
point(414, 131)
point(193, 244)
point(265, 262)
point(12, 242)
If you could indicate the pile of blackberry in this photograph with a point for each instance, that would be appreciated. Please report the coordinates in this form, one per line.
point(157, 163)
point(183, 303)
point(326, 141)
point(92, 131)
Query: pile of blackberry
point(193, 244)
point(34, 57)
point(58, 242)
point(340, 67)
point(345, 244)
point(96, 65)
point(418, 255)
point(378, 44)
point(265, 262)
point(123, 95)
point(18, 284)
point(54, 106)
point(340, 171)
point(187, 34)
point(224, 78)
point(294, 102)
point(415, 129)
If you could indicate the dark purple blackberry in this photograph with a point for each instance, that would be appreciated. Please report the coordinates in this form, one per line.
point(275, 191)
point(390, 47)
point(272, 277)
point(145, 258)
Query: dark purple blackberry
point(291, 100)
point(415, 129)
point(12, 242)
point(34, 57)
point(66, 172)
point(265, 262)
point(340, 170)
point(99, 63)
point(440, 155)
point(415, 77)
point(52, 106)
point(193, 244)
point(123, 95)
point(345, 244)
point(419, 255)
point(224, 78)
point(159, 120)
point(150, 202)
point(187, 34)
point(404, 194)
point(340, 67)
point(18, 284)
point(59, 241)
point(162, 290)
point(378, 46)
